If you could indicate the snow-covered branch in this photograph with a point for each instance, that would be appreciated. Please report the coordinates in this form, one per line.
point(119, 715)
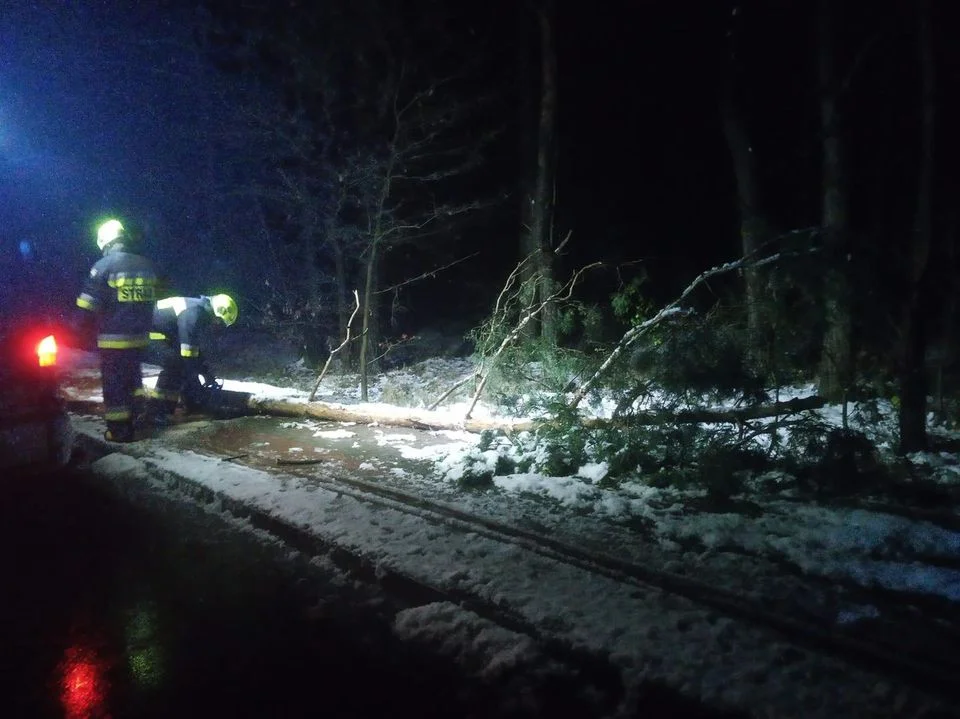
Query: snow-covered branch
point(527, 316)
point(673, 308)
point(346, 340)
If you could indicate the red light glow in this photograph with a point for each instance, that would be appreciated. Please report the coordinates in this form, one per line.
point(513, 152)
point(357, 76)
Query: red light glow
point(83, 685)
point(47, 351)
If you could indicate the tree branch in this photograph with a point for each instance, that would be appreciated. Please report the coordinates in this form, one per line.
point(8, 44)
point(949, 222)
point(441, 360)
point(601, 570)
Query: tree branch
point(356, 299)
point(429, 273)
point(563, 293)
point(634, 333)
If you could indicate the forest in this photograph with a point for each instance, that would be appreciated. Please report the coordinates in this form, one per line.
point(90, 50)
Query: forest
point(788, 218)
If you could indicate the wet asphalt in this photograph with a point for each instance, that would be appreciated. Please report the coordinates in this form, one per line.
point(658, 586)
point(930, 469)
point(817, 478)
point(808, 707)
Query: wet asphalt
point(115, 606)
point(111, 610)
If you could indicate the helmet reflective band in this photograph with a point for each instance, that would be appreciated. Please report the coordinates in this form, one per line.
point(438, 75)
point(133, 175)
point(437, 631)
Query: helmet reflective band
point(108, 232)
point(225, 308)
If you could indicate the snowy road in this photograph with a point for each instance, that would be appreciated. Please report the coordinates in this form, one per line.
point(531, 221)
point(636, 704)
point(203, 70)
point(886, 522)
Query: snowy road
point(158, 608)
point(638, 634)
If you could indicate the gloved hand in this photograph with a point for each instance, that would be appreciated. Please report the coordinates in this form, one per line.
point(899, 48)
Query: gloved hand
point(208, 380)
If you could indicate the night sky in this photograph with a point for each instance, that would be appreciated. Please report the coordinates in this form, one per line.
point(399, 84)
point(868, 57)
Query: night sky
point(103, 111)
point(106, 107)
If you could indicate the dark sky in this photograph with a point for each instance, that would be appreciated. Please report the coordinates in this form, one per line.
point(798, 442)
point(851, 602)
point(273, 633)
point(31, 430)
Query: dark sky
point(104, 109)
point(642, 152)
point(642, 144)
point(107, 107)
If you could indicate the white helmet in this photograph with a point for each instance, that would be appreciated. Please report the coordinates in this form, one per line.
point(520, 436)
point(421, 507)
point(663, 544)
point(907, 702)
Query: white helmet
point(108, 232)
point(225, 308)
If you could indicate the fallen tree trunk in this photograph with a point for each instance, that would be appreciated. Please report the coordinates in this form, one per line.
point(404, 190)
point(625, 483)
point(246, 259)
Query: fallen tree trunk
point(428, 420)
point(236, 404)
point(713, 416)
point(385, 414)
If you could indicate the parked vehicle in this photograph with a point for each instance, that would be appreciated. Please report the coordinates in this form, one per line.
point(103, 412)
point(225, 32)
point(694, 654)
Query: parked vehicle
point(35, 430)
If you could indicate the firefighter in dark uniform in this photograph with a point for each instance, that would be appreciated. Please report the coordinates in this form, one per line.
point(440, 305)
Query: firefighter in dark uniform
point(118, 299)
point(181, 329)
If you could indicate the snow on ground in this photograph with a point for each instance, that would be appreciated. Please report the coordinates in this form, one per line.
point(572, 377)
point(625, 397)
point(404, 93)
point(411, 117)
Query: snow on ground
point(646, 634)
point(871, 548)
point(639, 631)
point(868, 547)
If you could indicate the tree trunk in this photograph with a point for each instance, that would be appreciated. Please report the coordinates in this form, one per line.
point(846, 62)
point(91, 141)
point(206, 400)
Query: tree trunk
point(912, 414)
point(430, 420)
point(389, 416)
point(369, 334)
point(344, 305)
point(310, 289)
point(76, 393)
point(527, 136)
point(836, 359)
point(913, 384)
point(753, 228)
point(943, 354)
point(541, 229)
point(367, 309)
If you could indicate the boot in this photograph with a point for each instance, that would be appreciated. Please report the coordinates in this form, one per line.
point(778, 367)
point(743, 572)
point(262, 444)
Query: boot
point(159, 413)
point(119, 432)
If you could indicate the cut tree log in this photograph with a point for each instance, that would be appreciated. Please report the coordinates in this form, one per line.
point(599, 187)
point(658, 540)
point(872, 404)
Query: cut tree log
point(384, 414)
point(427, 420)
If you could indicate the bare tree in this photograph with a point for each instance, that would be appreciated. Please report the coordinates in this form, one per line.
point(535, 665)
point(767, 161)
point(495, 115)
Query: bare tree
point(295, 200)
point(404, 195)
point(379, 121)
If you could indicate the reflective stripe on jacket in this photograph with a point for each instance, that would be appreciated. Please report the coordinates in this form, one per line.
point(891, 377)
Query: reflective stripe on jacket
point(121, 290)
point(183, 323)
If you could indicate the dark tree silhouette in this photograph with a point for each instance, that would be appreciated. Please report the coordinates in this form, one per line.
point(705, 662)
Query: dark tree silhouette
point(913, 384)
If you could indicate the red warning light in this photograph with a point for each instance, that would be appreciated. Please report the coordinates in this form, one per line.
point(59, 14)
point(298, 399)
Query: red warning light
point(83, 685)
point(47, 351)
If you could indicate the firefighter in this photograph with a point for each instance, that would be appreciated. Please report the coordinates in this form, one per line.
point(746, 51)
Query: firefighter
point(182, 327)
point(117, 301)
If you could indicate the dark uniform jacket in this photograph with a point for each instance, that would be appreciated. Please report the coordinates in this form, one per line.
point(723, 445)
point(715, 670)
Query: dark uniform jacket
point(121, 291)
point(184, 323)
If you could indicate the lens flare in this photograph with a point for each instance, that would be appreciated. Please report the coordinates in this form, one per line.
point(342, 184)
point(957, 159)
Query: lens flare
point(83, 684)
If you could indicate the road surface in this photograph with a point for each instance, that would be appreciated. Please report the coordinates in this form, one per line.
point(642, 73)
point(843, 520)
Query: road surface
point(162, 609)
